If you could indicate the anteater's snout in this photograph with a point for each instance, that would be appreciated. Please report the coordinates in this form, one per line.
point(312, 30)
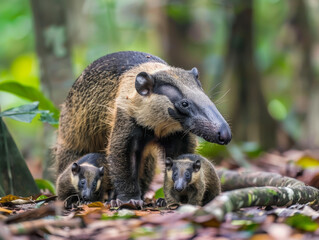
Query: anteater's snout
point(224, 135)
point(180, 185)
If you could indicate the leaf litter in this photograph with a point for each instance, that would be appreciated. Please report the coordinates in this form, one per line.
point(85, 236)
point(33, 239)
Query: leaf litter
point(40, 217)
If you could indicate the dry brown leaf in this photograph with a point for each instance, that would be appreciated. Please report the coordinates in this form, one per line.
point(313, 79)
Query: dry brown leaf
point(4, 210)
point(261, 236)
point(141, 213)
point(207, 221)
point(12, 198)
point(88, 210)
point(96, 205)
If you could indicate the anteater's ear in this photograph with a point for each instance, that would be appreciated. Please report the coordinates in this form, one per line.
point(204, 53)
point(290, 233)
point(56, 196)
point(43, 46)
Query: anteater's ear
point(75, 168)
point(144, 83)
point(194, 71)
point(168, 163)
point(196, 165)
point(101, 171)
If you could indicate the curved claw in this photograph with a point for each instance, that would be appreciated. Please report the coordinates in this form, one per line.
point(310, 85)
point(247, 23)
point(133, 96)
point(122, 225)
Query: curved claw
point(161, 202)
point(136, 203)
point(116, 203)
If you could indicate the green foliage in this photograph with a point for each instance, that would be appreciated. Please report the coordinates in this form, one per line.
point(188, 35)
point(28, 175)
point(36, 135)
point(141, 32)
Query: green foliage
point(277, 109)
point(15, 177)
point(211, 150)
point(41, 197)
point(121, 214)
point(246, 225)
point(13, 168)
point(44, 184)
point(302, 222)
point(26, 113)
point(31, 94)
point(239, 152)
point(159, 193)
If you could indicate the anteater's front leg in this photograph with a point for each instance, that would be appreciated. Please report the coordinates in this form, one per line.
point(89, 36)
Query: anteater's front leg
point(123, 161)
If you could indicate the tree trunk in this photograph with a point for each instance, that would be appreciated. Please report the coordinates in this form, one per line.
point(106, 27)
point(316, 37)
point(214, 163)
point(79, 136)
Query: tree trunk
point(309, 85)
point(54, 53)
point(53, 47)
point(251, 120)
point(176, 34)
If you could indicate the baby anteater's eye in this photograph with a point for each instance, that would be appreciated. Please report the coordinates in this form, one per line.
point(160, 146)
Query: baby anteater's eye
point(175, 175)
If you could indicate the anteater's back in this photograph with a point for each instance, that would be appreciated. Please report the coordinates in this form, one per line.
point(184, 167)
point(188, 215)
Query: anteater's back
point(87, 113)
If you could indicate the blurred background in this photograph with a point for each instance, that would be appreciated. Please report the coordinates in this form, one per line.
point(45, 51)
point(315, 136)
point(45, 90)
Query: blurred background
point(258, 61)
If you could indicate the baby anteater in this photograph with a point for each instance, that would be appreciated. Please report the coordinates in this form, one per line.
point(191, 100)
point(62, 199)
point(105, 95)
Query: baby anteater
point(190, 179)
point(85, 178)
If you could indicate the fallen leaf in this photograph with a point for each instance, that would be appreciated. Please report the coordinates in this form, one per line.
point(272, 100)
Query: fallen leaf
point(261, 236)
point(96, 205)
point(307, 162)
point(302, 222)
point(144, 213)
point(4, 210)
point(159, 193)
point(11, 198)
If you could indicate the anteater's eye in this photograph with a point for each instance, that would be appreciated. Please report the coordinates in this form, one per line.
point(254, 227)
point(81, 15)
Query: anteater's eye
point(187, 175)
point(185, 104)
point(94, 184)
point(175, 175)
point(82, 181)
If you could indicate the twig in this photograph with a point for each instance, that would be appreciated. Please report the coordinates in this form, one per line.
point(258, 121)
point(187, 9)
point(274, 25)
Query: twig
point(48, 210)
point(31, 226)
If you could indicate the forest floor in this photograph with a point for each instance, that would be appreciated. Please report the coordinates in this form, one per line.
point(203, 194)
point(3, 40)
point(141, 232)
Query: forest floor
point(24, 218)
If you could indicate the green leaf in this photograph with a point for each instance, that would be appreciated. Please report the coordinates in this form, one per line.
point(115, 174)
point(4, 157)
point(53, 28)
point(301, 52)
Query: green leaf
point(48, 117)
point(41, 197)
point(31, 94)
point(159, 193)
point(251, 149)
point(211, 150)
point(121, 214)
point(44, 184)
point(246, 225)
point(302, 222)
point(26, 113)
point(277, 109)
point(15, 177)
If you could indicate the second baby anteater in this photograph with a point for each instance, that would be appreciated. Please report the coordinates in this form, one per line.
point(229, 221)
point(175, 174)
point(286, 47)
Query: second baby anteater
point(190, 179)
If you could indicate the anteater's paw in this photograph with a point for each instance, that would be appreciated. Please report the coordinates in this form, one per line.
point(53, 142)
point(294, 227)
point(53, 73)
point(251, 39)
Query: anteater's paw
point(136, 203)
point(116, 203)
point(132, 203)
point(161, 202)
